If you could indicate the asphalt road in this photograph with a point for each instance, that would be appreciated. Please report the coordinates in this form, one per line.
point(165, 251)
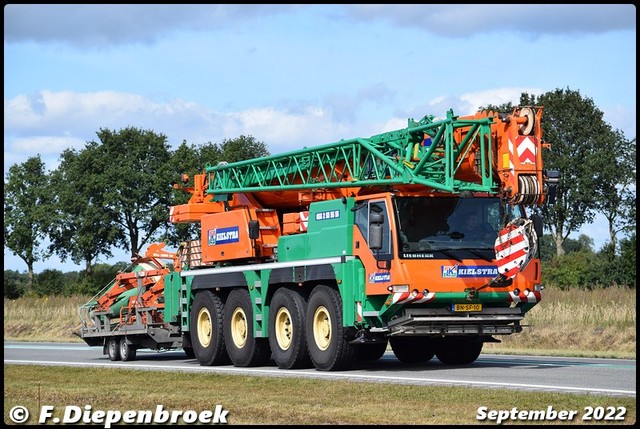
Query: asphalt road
point(611, 377)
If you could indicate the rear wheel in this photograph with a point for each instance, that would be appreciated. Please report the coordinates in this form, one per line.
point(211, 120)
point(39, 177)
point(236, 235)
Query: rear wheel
point(287, 330)
point(113, 348)
point(207, 338)
point(127, 351)
point(329, 348)
point(412, 349)
point(458, 350)
point(371, 351)
point(187, 346)
point(243, 347)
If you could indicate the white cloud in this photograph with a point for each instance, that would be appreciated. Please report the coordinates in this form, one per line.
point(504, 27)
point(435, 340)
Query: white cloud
point(464, 20)
point(284, 130)
point(49, 122)
point(47, 144)
point(497, 96)
point(105, 25)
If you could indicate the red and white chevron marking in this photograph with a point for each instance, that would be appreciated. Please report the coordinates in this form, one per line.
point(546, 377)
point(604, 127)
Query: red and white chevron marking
point(171, 217)
point(304, 221)
point(410, 298)
point(512, 250)
point(527, 147)
point(521, 297)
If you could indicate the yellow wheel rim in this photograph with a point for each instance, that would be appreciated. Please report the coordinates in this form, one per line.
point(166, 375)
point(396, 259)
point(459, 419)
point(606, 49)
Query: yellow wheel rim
point(204, 327)
point(283, 329)
point(239, 327)
point(322, 328)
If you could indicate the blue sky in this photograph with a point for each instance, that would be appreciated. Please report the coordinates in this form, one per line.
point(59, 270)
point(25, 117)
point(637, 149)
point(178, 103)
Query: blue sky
point(295, 75)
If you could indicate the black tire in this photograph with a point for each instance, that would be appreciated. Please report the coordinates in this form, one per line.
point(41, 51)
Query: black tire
point(113, 349)
point(458, 350)
point(328, 346)
point(368, 352)
point(287, 337)
point(206, 329)
point(243, 347)
point(412, 349)
point(187, 347)
point(127, 351)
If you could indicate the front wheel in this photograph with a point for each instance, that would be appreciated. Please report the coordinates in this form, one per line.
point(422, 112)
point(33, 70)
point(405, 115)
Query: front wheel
point(412, 349)
point(458, 350)
point(329, 348)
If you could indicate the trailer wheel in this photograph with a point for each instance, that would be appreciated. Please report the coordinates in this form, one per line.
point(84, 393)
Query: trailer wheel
point(243, 347)
point(113, 348)
point(287, 330)
point(206, 329)
point(328, 346)
point(412, 349)
point(458, 350)
point(127, 351)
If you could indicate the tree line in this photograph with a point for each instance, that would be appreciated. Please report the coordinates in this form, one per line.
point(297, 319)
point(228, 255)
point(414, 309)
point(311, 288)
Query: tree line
point(115, 193)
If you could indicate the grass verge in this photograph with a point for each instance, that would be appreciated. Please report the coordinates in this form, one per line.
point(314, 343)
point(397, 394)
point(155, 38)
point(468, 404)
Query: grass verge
point(285, 401)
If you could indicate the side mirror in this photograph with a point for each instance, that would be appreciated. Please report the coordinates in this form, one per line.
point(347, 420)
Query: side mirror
point(254, 229)
point(552, 178)
point(383, 264)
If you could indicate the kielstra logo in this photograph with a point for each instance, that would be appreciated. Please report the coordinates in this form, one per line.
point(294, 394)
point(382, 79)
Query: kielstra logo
point(379, 277)
point(460, 271)
point(228, 235)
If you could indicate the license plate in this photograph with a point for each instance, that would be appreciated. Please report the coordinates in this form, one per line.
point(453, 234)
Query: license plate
point(467, 307)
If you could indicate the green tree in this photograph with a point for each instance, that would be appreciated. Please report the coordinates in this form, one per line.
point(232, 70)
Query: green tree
point(27, 205)
point(137, 184)
point(615, 183)
point(500, 108)
point(582, 269)
point(242, 148)
point(15, 284)
point(81, 227)
point(627, 261)
point(547, 248)
point(49, 282)
point(583, 243)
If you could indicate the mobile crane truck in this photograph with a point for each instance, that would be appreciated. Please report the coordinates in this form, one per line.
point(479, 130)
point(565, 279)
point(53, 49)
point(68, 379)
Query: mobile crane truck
point(325, 256)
